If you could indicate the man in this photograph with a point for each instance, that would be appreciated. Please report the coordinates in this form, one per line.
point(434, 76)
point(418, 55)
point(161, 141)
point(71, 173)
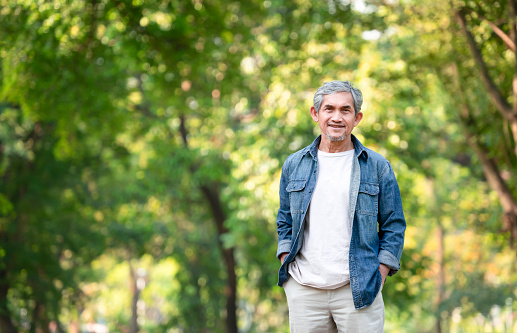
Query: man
point(340, 223)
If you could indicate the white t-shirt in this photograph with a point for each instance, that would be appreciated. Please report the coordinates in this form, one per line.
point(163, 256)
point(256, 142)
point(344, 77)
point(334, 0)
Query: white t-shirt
point(323, 258)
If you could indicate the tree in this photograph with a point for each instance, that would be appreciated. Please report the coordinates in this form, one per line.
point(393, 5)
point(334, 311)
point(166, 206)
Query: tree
point(471, 51)
point(151, 135)
point(437, 72)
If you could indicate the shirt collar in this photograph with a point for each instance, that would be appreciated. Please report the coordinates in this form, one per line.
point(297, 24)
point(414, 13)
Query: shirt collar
point(358, 147)
point(313, 148)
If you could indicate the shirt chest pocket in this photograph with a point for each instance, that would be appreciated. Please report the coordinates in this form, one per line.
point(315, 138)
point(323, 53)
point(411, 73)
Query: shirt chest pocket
point(368, 199)
point(296, 188)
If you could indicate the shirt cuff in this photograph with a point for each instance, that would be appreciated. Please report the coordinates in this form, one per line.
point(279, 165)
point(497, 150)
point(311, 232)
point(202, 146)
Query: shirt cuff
point(388, 259)
point(283, 246)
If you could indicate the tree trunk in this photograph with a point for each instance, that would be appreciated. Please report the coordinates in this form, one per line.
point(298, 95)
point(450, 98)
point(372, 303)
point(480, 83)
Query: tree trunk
point(513, 126)
point(40, 322)
point(59, 326)
point(498, 184)
point(6, 325)
point(35, 317)
point(434, 207)
point(213, 197)
point(135, 295)
point(440, 281)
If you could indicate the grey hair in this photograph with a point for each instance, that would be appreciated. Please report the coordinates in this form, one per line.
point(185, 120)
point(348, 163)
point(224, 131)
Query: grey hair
point(332, 87)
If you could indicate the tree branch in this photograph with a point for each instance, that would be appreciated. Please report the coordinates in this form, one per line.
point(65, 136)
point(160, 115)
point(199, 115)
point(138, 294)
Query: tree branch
point(183, 131)
point(497, 98)
point(510, 44)
point(513, 32)
point(145, 108)
point(93, 26)
point(490, 169)
point(508, 40)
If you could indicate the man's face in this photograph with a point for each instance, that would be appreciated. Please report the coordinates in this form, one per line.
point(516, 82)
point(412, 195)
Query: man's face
point(337, 116)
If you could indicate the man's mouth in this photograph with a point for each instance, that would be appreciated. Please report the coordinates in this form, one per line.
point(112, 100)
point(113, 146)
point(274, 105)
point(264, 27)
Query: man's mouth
point(336, 126)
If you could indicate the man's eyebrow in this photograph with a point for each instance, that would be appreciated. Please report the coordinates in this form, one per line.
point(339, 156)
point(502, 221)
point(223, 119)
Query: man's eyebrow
point(347, 106)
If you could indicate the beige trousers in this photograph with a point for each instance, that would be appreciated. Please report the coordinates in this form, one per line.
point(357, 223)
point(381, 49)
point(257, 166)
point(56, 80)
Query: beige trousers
point(313, 310)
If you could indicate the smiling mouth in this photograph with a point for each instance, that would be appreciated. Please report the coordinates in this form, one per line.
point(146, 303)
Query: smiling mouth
point(336, 126)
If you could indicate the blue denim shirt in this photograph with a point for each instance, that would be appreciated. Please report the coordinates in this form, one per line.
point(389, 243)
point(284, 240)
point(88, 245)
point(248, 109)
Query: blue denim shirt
point(378, 223)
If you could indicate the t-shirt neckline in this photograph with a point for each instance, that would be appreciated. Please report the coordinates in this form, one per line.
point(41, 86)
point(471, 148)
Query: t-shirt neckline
point(339, 154)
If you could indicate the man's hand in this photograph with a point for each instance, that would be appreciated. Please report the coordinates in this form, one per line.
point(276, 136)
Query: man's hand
point(384, 272)
point(282, 257)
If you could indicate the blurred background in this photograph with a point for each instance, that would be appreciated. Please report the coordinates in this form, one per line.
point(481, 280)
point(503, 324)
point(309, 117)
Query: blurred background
point(141, 144)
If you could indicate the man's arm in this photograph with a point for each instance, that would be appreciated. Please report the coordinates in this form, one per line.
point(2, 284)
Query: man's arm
point(282, 257)
point(384, 272)
point(392, 224)
point(284, 221)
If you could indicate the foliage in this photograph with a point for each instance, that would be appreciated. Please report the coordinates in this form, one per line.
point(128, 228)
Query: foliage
point(141, 144)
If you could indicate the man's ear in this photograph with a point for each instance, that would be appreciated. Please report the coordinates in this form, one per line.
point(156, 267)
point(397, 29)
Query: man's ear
point(358, 118)
point(314, 114)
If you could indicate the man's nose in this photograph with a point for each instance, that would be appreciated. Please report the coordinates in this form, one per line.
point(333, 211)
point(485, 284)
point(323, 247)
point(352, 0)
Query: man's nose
point(336, 116)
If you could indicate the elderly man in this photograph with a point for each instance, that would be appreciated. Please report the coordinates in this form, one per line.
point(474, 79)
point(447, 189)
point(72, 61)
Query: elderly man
point(340, 223)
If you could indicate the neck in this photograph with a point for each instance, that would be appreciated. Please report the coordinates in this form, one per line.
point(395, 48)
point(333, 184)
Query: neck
point(328, 146)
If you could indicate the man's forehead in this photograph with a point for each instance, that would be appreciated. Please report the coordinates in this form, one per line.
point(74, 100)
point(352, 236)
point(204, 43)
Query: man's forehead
point(328, 99)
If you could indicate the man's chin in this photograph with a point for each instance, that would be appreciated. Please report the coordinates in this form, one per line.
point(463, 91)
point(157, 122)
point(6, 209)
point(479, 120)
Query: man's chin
point(335, 138)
